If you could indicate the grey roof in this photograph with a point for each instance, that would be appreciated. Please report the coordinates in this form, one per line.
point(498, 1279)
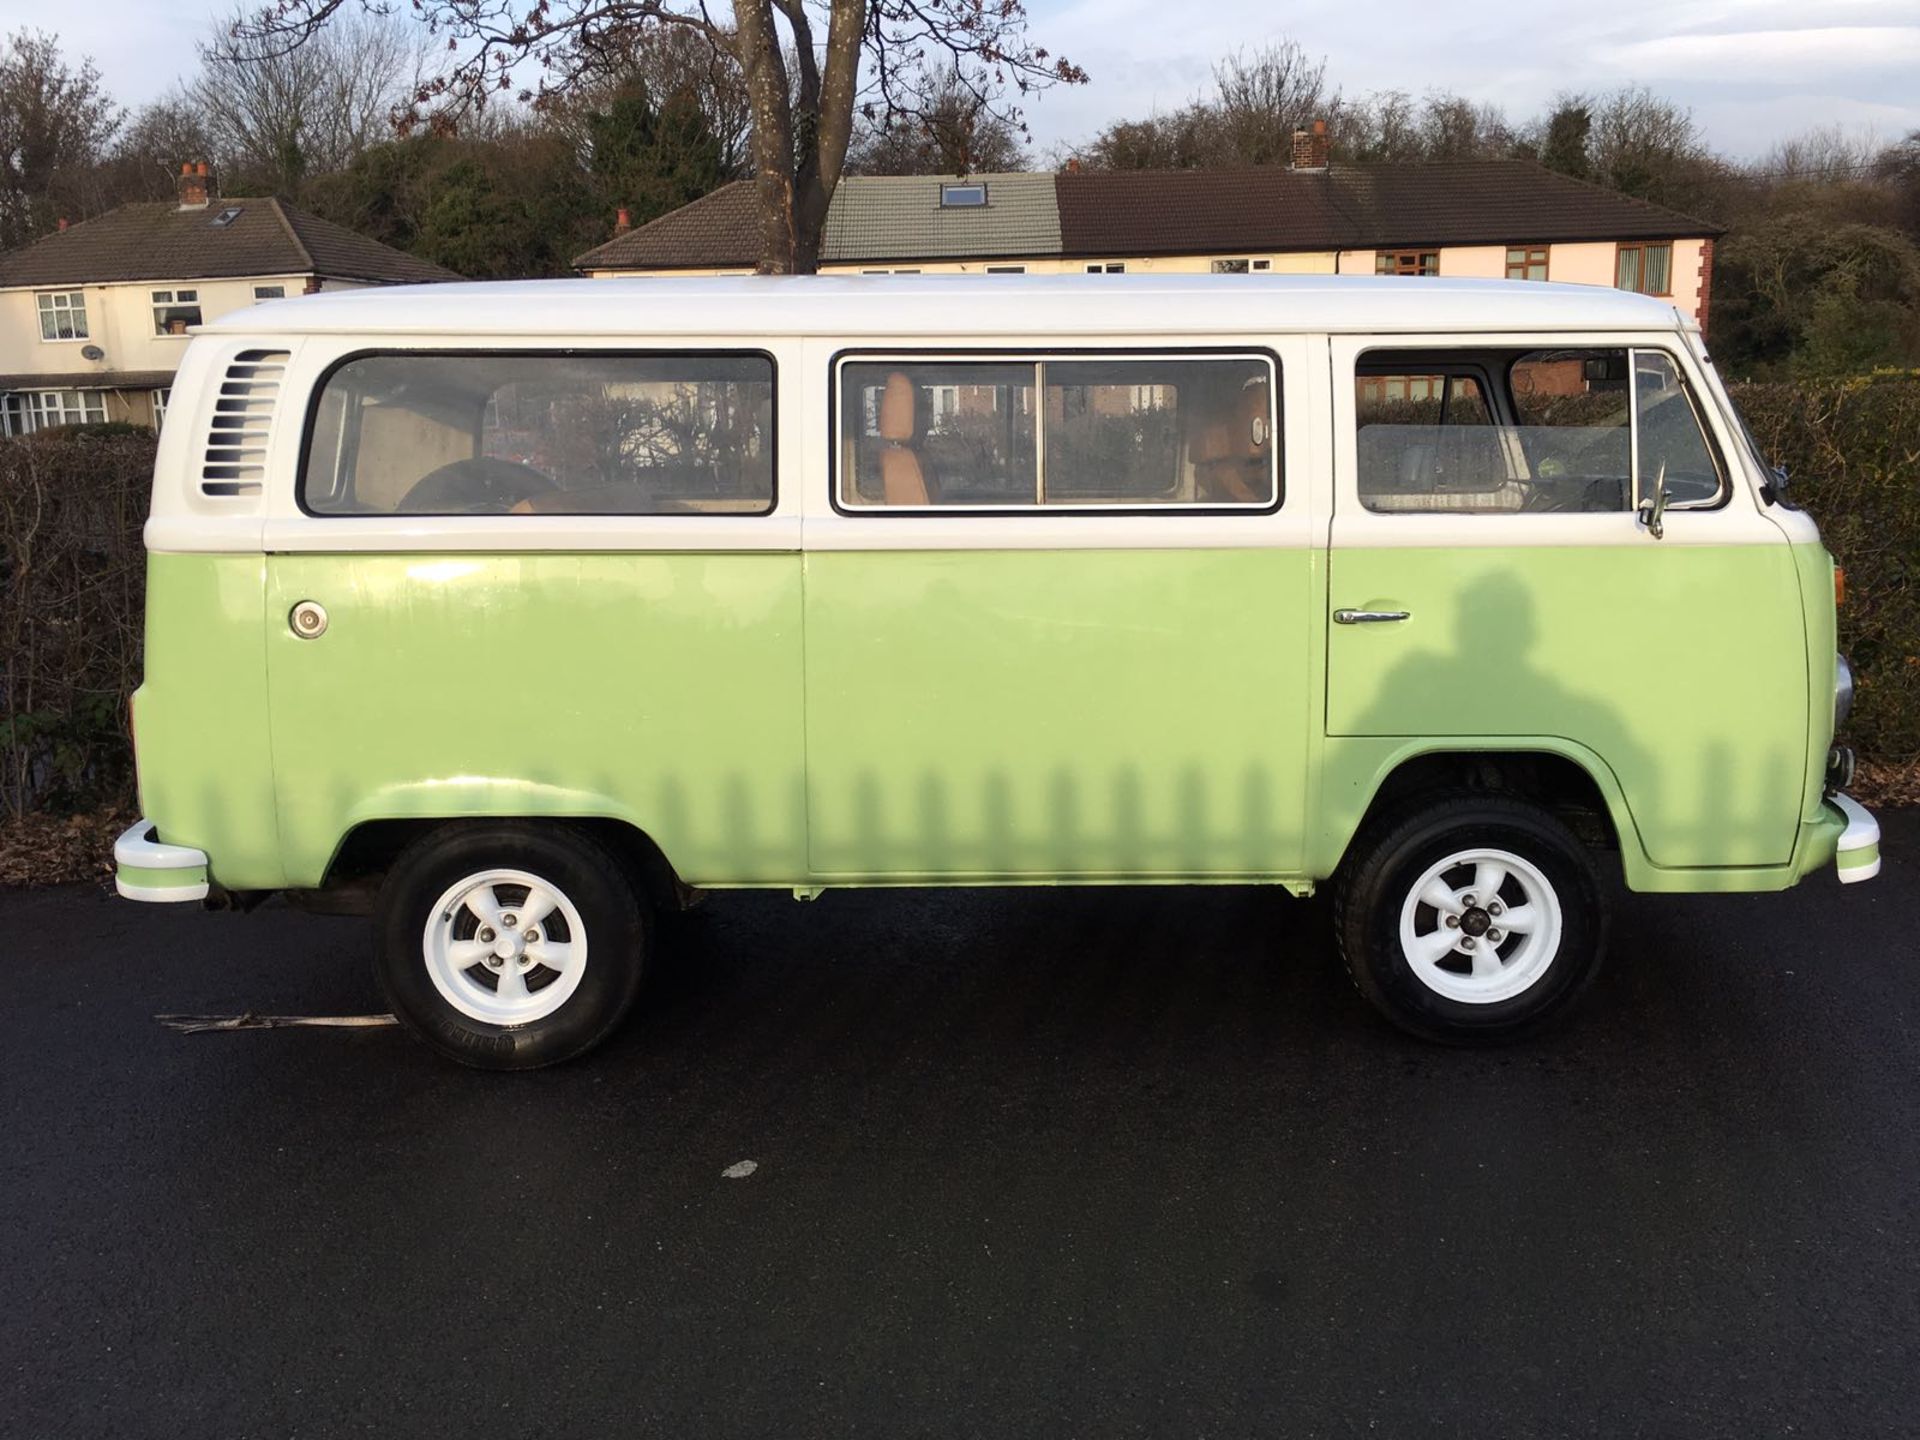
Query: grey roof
point(900, 217)
point(161, 241)
point(873, 218)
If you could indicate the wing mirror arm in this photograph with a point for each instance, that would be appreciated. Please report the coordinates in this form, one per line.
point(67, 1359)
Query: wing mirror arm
point(1654, 509)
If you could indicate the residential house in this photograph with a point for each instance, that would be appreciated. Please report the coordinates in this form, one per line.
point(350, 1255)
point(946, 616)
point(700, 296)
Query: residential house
point(1496, 219)
point(93, 317)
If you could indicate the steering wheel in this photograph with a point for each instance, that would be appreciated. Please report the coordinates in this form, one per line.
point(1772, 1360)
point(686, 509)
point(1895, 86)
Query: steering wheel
point(480, 486)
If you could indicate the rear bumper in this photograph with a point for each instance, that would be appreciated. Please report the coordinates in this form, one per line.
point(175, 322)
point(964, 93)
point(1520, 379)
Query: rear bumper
point(1856, 854)
point(146, 868)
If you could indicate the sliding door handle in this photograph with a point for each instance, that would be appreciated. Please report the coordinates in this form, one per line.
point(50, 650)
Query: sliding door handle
point(1368, 617)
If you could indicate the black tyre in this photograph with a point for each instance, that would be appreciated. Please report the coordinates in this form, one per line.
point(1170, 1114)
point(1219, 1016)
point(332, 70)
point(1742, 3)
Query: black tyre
point(1470, 918)
point(509, 945)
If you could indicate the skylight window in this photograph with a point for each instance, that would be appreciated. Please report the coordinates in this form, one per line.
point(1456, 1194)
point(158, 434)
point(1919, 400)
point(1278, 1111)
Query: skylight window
point(226, 217)
point(962, 197)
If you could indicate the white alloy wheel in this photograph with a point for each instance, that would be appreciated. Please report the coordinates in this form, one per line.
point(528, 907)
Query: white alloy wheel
point(505, 947)
point(1480, 926)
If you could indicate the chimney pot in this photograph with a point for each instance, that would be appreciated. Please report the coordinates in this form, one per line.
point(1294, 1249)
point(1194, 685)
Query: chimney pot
point(622, 221)
point(63, 222)
point(195, 185)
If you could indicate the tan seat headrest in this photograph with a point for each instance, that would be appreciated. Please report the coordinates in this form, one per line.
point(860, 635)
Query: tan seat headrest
point(897, 408)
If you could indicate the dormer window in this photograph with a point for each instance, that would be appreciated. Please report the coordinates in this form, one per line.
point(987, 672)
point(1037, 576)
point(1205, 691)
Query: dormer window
point(962, 197)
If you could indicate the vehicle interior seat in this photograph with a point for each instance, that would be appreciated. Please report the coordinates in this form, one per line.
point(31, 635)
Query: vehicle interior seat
point(902, 480)
point(1231, 449)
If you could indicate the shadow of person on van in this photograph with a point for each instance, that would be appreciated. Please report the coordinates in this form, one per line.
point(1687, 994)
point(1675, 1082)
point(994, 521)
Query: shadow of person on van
point(1489, 680)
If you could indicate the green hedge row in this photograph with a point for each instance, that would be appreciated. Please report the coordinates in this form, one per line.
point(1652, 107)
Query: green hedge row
point(1852, 453)
point(71, 576)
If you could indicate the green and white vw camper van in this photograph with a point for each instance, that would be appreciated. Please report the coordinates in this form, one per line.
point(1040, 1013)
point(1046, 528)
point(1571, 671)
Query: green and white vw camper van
point(510, 614)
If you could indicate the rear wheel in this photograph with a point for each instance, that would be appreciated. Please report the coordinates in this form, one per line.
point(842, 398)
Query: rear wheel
point(507, 945)
point(1470, 918)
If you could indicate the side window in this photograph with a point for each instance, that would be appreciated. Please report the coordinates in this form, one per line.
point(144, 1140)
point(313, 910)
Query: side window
point(1427, 441)
point(520, 434)
point(1073, 432)
point(1673, 446)
point(1492, 432)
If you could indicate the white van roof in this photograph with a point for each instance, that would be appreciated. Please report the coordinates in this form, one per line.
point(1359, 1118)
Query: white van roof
point(957, 305)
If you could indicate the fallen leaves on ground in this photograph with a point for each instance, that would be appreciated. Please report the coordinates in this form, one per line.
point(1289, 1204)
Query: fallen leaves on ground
point(58, 849)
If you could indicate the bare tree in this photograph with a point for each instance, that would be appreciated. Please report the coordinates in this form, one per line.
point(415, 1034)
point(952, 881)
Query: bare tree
point(957, 135)
point(1262, 96)
point(1827, 155)
point(802, 86)
point(54, 123)
point(276, 114)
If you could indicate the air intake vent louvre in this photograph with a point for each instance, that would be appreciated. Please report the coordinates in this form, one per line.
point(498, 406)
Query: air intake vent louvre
point(237, 446)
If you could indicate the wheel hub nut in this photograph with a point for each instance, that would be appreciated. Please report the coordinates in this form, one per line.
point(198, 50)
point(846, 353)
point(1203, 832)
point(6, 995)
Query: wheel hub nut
point(1453, 922)
point(486, 935)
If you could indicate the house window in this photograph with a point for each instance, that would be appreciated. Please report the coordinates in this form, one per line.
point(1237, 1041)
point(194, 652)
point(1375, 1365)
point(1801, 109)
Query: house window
point(269, 292)
point(889, 272)
point(962, 197)
point(175, 310)
point(13, 414)
point(1006, 269)
point(1107, 267)
point(1527, 262)
point(160, 398)
point(1263, 264)
point(1232, 267)
point(47, 408)
point(1646, 268)
point(1406, 262)
point(63, 315)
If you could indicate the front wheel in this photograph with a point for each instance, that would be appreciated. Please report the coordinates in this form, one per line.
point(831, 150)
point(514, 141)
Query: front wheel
point(508, 945)
point(1470, 918)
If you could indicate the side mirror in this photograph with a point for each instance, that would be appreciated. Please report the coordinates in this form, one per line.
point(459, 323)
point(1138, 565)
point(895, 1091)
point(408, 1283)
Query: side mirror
point(1653, 510)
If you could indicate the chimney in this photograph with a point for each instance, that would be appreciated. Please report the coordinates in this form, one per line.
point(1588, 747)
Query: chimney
point(1073, 165)
point(196, 186)
point(622, 221)
point(63, 222)
point(1310, 147)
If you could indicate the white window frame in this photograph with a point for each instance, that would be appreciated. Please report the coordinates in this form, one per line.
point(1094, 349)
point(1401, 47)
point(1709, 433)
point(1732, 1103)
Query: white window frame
point(160, 399)
point(52, 304)
point(1106, 267)
point(164, 300)
point(46, 409)
point(269, 292)
point(967, 188)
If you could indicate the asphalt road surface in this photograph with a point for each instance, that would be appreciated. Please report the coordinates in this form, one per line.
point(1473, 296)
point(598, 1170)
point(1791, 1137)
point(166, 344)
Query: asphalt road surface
point(1077, 1163)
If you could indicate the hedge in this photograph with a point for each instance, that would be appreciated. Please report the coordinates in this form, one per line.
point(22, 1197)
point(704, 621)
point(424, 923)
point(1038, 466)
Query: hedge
point(71, 576)
point(1851, 449)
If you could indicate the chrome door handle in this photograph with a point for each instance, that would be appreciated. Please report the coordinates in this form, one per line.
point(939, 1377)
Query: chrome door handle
point(1368, 617)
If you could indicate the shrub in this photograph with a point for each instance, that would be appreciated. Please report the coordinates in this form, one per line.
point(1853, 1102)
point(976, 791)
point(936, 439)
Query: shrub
point(72, 584)
point(1852, 452)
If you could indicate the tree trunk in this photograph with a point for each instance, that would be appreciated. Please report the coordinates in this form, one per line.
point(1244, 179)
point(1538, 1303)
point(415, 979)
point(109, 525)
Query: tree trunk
point(757, 46)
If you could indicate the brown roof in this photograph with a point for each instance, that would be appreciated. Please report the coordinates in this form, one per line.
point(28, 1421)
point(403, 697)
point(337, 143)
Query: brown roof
point(716, 229)
point(1116, 213)
point(90, 380)
point(160, 241)
point(1348, 207)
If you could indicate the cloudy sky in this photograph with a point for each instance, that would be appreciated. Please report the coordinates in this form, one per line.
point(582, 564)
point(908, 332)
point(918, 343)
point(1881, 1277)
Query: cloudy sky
point(1752, 71)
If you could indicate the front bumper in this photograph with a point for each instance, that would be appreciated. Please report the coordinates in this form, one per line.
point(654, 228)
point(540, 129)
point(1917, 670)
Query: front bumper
point(146, 868)
point(1856, 855)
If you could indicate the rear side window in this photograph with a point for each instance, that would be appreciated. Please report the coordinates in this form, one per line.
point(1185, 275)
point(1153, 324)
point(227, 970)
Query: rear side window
point(529, 434)
point(1500, 432)
point(1072, 432)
